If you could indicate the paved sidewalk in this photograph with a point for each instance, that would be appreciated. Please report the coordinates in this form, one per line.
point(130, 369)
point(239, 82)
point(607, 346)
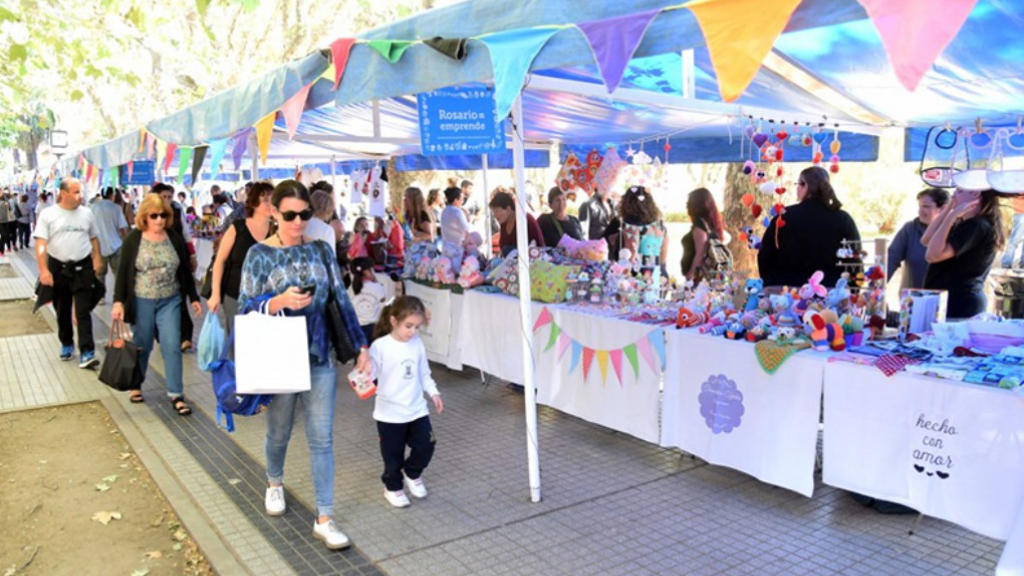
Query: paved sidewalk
point(612, 504)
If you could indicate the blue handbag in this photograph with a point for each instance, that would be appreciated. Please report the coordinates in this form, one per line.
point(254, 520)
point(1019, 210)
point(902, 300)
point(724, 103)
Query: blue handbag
point(229, 402)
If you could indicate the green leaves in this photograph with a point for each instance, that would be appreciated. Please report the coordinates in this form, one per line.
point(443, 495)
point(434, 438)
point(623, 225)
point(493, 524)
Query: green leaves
point(17, 52)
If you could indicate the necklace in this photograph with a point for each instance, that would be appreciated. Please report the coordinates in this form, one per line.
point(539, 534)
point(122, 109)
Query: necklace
point(302, 240)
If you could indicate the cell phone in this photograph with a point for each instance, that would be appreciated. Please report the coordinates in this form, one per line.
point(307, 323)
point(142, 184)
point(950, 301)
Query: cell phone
point(311, 289)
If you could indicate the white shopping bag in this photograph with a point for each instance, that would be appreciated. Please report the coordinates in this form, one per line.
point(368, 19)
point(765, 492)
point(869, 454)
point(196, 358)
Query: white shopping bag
point(271, 354)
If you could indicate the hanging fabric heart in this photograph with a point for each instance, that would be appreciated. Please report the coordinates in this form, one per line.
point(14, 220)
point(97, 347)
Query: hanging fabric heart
point(817, 158)
point(781, 135)
point(766, 221)
point(820, 137)
point(760, 139)
point(780, 223)
point(780, 208)
point(755, 210)
point(780, 190)
point(780, 171)
point(750, 131)
point(772, 212)
point(779, 154)
point(747, 199)
point(835, 146)
point(805, 140)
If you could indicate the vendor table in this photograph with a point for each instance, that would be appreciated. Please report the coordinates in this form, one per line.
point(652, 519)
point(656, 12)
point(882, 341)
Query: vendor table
point(442, 338)
point(603, 370)
point(720, 405)
point(950, 450)
point(390, 286)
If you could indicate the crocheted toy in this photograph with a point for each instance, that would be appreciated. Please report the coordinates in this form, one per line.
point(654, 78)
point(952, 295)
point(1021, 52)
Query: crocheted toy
point(423, 268)
point(472, 244)
point(753, 288)
point(735, 330)
point(785, 316)
point(825, 334)
point(442, 270)
point(838, 298)
point(469, 275)
point(688, 318)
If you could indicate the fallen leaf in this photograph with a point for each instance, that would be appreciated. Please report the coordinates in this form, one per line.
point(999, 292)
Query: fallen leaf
point(104, 517)
point(176, 547)
point(153, 555)
point(112, 478)
point(140, 572)
point(180, 535)
point(124, 465)
point(233, 481)
point(102, 487)
point(124, 456)
point(43, 461)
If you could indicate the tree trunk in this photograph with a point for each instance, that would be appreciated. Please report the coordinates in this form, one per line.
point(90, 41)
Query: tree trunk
point(737, 216)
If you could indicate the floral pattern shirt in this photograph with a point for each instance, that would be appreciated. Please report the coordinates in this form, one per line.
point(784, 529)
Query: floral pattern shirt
point(156, 270)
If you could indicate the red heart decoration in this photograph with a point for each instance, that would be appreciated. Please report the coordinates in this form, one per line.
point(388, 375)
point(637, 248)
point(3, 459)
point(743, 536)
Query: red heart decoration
point(780, 208)
point(780, 172)
point(780, 190)
point(834, 168)
point(756, 210)
point(780, 223)
point(779, 154)
point(781, 134)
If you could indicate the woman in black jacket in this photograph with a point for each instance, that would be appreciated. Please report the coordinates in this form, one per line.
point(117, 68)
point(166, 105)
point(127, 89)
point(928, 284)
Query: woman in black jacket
point(806, 237)
point(152, 281)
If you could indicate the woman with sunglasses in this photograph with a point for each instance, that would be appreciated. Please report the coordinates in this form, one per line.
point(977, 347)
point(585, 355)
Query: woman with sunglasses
point(292, 274)
point(153, 281)
point(807, 236)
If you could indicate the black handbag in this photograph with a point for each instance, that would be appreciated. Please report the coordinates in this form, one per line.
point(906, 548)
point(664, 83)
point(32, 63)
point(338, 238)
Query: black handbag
point(206, 290)
point(121, 370)
point(344, 350)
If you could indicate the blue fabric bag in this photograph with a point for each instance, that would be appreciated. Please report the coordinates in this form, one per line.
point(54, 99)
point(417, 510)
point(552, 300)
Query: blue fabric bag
point(229, 402)
point(211, 342)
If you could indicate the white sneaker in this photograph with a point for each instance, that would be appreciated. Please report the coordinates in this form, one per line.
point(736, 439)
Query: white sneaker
point(328, 532)
point(398, 499)
point(415, 487)
point(274, 501)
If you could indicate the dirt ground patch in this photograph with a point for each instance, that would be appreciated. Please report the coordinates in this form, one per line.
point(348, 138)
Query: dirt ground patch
point(64, 471)
point(19, 319)
point(6, 271)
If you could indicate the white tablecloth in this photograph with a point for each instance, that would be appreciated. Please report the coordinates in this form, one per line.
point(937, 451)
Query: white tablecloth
point(442, 338)
point(722, 406)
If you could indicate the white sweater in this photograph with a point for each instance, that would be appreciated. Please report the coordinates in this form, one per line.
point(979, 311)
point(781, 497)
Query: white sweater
point(403, 375)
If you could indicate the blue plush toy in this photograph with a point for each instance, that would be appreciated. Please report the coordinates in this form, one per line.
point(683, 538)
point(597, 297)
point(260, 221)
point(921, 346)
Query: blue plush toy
point(753, 288)
point(784, 313)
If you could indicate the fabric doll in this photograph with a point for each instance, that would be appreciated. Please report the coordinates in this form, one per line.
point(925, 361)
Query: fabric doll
point(443, 270)
point(470, 275)
point(754, 287)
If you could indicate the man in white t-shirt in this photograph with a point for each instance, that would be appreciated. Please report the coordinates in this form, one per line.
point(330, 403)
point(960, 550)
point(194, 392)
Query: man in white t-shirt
point(113, 228)
point(68, 255)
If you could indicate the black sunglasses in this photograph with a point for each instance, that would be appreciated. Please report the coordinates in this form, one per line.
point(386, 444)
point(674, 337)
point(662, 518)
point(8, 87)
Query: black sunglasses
point(158, 216)
point(290, 215)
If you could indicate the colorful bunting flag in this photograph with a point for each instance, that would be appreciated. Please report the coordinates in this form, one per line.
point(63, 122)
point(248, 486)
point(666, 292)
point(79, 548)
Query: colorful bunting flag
point(563, 345)
point(613, 42)
point(602, 363)
point(577, 348)
point(168, 156)
point(630, 352)
point(328, 73)
point(739, 34)
point(239, 145)
point(553, 336)
point(616, 356)
point(544, 318)
point(142, 140)
point(340, 50)
point(217, 149)
point(198, 156)
point(131, 169)
point(390, 49)
point(512, 52)
point(292, 110)
point(88, 172)
point(264, 132)
point(915, 32)
point(454, 48)
point(657, 338)
point(184, 163)
point(588, 358)
point(644, 345)
point(150, 144)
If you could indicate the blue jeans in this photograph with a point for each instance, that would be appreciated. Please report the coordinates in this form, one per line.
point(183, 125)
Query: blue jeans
point(1013, 242)
point(318, 404)
point(162, 314)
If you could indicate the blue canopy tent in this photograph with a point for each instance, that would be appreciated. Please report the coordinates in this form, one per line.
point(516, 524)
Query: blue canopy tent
point(828, 67)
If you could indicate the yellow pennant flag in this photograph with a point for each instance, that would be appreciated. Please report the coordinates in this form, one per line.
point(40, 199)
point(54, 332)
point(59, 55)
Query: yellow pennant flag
point(739, 35)
point(602, 363)
point(264, 130)
point(142, 140)
point(329, 73)
point(161, 152)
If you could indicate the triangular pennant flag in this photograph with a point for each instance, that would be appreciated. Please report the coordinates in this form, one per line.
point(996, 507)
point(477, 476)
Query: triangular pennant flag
point(630, 352)
point(544, 318)
point(657, 339)
point(239, 145)
point(563, 345)
point(915, 32)
point(217, 149)
point(454, 48)
point(292, 110)
point(131, 169)
point(614, 41)
point(739, 34)
point(184, 163)
point(161, 151)
point(553, 337)
point(101, 175)
point(390, 49)
point(88, 173)
point(340, 49)
point(150, 145)
point(264, 132)
point(169, 156)
point(142, 140)
point(81, 161)
point(644, 345)
point(616, 356)
point(512, 52)
point(328, 73)
point(198, 156)
point(588, 359)
point(576, 350)
point(115, 177)
point(602, 363)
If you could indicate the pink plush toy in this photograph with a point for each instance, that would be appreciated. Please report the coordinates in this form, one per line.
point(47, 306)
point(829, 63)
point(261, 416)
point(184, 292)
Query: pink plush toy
point(443, 270)
point(470, 275)
point(472, 243)
point(423, 268)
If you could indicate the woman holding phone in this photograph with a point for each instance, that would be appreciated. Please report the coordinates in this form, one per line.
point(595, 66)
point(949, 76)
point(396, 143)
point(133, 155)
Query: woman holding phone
point(292, 274)
point(962, 243)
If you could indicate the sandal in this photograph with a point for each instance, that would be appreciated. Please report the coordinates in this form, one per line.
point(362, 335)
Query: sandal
point(180, 406)
point(136, 397)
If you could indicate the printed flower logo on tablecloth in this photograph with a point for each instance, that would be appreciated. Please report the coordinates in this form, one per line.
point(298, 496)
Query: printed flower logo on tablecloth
point(721, 404)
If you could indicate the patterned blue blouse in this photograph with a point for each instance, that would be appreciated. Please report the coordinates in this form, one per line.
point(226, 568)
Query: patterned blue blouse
point(270, 271)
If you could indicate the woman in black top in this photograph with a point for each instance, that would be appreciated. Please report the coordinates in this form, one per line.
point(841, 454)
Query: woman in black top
point(704, 214)
point(962, 243)
point(558, 222)
point(240, 236)
point(806, 237)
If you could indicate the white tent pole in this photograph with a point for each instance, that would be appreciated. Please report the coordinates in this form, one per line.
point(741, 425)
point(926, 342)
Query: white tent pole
point(486, 195)
point(254, 146)
point(525, 311)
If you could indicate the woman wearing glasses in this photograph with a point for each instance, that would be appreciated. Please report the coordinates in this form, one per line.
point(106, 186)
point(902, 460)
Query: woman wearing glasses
point(292, 274)
point(152, 282)
point(807, 236)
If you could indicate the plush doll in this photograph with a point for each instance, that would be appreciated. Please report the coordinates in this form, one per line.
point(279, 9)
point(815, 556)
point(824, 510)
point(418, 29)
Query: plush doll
point(754, 288)
point(423, 268)
point(470, 275)
point(735, 330)
point(443, 270)
point(688, 318)
point(785, 316)
point(453, 252)
point(825, 334)
point(624, 265)
point(810, 290)
point(838, 298)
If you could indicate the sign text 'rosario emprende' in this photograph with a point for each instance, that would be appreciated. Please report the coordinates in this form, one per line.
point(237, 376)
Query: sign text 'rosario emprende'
point(459, 121)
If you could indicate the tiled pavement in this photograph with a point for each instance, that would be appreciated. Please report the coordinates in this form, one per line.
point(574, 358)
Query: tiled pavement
point(612, 505)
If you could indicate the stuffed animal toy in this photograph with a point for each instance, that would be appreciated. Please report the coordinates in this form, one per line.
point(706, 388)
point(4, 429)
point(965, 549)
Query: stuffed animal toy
point(442, 270)
point(785, 316)
point(423, 268)
point(825, 334)
point(735, 331)
point(624, 265)
point(472, 244)
point(838, 298)
point(757, 333)
point(783, 334)
point(754, 288)
point(470, 275)
point(688, 318)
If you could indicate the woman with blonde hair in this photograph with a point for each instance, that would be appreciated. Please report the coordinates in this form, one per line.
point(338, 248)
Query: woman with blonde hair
point(154, 278)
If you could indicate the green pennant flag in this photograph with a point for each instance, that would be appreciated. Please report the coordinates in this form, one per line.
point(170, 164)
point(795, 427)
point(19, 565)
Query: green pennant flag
point(553, 337)
point(184, 163)
point(630, 352)
point(390, 49)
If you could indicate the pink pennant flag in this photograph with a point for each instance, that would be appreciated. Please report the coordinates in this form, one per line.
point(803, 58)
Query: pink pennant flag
point(915, 32)
point(645, 350)
point(150, 146)
point(169, 156)
point(563, 345)
point(616, 356)
point(340, 49)
point(542, 320)
point(292, 110)
point(131, 168)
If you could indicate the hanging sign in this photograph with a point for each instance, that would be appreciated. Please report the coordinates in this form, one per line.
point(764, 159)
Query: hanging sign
point(459, 121)
point(142, 174)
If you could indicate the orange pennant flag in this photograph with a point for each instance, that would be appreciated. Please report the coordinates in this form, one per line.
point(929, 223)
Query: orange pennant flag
point(739, 35)
point(264, 131)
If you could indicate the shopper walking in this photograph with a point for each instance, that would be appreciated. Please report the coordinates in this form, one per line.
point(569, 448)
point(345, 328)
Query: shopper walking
point(23, 213)
point(112, 228)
